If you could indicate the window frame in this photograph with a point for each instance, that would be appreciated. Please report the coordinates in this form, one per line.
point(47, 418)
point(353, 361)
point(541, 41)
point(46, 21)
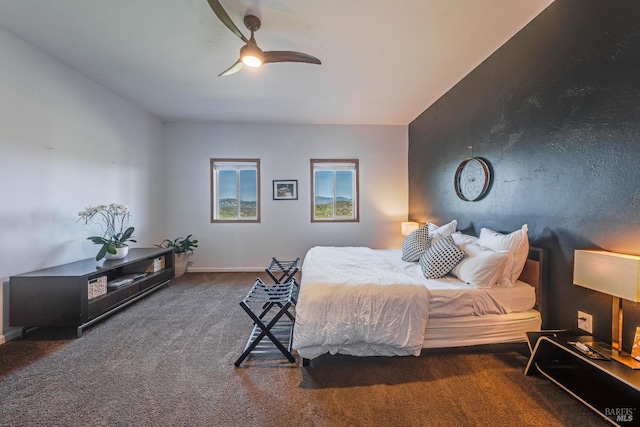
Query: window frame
point(214, 192)
point(356, 190)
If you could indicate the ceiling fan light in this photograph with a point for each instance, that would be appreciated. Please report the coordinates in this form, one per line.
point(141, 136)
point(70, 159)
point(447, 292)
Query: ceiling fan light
point(250, 56)
point(251, 61)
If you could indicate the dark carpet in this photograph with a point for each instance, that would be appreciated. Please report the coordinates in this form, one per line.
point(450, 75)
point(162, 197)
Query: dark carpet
point(168, 361)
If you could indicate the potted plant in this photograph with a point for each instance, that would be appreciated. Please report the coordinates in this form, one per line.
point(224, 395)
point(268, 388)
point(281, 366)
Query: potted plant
point(114, 219)
point(182, 247)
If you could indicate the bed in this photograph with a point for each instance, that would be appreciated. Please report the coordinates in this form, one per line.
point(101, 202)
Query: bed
point(365, 302)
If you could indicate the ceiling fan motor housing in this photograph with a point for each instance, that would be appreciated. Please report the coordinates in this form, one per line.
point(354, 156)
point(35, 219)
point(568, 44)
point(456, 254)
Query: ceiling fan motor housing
point(252, 23)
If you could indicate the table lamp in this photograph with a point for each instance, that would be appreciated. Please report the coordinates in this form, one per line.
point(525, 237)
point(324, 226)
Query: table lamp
point(613, 274)
point(407, 227)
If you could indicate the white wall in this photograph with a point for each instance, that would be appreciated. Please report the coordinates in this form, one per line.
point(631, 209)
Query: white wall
point(285, 231)
point(66, 142)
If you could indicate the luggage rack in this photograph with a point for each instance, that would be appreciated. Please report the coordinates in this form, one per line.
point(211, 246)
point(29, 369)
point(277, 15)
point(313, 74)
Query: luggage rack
point(261, 299)
point(288, 269)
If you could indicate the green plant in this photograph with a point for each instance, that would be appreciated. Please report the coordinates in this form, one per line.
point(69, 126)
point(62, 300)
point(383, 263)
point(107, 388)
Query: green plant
point(180, 245)
point(116, 233)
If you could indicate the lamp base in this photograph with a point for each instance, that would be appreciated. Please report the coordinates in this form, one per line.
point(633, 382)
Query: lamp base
point(618, 356)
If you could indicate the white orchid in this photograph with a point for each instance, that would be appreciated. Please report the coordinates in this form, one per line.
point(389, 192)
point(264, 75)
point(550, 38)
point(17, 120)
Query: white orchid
point(115, 218)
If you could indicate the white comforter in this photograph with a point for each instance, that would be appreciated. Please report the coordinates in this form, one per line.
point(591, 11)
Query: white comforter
point(361, 312)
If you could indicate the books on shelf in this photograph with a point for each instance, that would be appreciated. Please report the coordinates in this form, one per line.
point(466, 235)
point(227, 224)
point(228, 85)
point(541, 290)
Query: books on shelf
point(124, 280)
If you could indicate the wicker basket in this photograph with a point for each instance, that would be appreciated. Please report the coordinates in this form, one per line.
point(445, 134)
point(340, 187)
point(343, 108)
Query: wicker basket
point(156, 265)
point(97, 287)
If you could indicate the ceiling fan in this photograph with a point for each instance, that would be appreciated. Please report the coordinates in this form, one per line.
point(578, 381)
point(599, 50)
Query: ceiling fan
point(250, 54)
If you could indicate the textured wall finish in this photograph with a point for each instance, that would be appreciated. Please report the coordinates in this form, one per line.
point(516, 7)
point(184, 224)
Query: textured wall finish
point(556, 112)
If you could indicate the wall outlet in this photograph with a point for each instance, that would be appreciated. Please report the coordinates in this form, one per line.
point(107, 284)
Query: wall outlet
point(585, 321)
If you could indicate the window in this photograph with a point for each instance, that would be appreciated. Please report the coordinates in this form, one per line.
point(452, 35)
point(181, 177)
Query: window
point(334, 190)
point(235, 188)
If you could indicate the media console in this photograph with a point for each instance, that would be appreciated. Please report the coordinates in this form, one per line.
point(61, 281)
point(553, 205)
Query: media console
point(84, 292)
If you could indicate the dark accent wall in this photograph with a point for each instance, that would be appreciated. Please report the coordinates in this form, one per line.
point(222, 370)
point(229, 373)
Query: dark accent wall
point(556, 112)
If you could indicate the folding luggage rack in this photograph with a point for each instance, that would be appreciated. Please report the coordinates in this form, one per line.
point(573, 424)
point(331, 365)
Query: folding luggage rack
point(261, 299)
point(287, 270)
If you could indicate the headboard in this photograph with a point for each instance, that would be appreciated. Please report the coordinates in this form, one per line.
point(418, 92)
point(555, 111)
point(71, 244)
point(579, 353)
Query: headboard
point(535, 274)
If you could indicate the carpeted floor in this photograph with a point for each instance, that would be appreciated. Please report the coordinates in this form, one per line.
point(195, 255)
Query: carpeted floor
point(168, 361)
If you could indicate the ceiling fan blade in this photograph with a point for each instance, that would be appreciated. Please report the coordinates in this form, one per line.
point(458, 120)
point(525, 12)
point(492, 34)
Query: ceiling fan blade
point(226, 20)
point(288, 56)
point(233, 69)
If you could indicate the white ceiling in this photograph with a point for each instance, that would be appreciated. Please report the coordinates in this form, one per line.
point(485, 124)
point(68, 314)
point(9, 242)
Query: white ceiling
point(383, 62)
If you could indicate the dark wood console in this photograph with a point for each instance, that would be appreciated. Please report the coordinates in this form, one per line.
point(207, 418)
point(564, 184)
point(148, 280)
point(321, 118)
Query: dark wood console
point(77, 294)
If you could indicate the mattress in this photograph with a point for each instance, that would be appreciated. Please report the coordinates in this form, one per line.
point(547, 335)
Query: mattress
point(450, 297)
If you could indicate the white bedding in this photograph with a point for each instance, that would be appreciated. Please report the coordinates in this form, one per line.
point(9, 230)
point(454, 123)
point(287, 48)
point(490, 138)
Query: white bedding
point(450, 297)
point(352, 301)
point(360, 301)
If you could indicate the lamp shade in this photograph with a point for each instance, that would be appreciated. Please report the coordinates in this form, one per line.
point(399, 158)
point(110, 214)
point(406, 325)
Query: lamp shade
point(609, 273)
point(407, 227)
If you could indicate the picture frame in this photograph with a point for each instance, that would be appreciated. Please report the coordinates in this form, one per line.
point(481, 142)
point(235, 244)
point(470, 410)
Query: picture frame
point(285, 189)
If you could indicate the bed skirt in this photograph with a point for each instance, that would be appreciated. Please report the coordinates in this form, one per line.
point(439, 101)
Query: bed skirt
point(476, 330)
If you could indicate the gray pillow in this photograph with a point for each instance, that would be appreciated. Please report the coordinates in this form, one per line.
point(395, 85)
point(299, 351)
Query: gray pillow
point(415, 244)
point(440, 258)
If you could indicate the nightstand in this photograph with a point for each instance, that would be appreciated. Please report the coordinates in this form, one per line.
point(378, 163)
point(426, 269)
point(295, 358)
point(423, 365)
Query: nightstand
point(609, 388)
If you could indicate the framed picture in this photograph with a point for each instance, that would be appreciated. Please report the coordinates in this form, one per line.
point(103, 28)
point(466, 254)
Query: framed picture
point(285, 189)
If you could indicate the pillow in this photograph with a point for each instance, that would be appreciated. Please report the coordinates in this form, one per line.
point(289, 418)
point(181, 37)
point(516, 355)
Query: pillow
point(440, 258)
point(415, 244)
point(437, 233)
point(481, 267)
point(516, 243)
point(463, 239)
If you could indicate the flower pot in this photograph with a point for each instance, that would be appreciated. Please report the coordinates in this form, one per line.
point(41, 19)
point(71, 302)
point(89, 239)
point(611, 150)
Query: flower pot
point(120, 253)
point(181, 264)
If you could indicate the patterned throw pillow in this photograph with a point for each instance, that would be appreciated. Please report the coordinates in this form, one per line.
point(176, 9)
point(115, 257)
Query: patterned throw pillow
point(440, 258)
point(415, 244)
